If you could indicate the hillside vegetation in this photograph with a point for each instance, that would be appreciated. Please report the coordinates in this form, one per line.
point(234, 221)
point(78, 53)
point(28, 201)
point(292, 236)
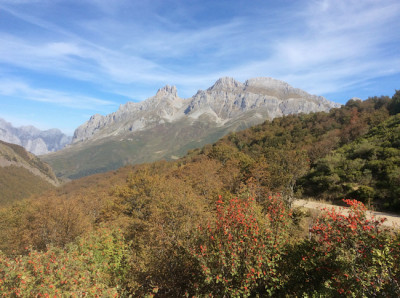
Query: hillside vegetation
point(349, 152)
point(367, 169)
point(22, 174)
point(220, 221)
point(172, 140)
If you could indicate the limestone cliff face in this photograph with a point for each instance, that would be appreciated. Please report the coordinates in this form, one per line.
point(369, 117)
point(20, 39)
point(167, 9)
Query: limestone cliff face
point(226, 100)
point(164, 106)
point(32, 139)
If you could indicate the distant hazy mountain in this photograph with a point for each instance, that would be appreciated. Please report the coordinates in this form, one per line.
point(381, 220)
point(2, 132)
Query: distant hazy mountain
point(165, 126)
point(32, 139)
point(22, 174)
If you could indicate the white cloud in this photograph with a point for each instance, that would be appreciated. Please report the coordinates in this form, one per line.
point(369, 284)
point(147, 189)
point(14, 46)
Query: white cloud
point(20, 89)
point(331, 42)
point(342, 43)
point(60, 49)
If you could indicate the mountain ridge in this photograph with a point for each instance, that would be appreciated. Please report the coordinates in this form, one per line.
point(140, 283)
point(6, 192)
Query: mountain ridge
point(226, 99)
point(166, 126)
point(36, 141)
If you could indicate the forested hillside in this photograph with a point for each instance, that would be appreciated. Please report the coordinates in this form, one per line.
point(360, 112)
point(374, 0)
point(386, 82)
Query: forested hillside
point(350, 152)
point(219, 221)
point(367, 169)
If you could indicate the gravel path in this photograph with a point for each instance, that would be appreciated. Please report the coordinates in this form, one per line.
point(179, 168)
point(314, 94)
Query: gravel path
point(393, 220)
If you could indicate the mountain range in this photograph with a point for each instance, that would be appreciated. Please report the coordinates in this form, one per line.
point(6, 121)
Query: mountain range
point(226, 100)
point(166, 126)
point(32, 139)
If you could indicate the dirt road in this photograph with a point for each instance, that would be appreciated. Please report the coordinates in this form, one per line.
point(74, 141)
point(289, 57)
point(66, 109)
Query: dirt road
point(393, 220)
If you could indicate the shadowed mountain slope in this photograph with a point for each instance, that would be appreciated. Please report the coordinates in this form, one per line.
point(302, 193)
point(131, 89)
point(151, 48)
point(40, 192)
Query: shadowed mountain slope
point(22, 174)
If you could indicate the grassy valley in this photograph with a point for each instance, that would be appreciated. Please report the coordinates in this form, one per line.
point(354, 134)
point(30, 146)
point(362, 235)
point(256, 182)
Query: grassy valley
point(167, 141)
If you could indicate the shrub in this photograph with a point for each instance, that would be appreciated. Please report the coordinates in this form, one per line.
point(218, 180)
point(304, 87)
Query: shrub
point(239, 255)
point(350, 255)
point(93, 266)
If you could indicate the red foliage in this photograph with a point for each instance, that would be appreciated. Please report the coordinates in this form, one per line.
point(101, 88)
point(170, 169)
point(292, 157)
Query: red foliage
point(241, 250)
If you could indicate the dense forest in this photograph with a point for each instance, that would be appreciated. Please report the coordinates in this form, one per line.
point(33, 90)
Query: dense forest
point(220, 221)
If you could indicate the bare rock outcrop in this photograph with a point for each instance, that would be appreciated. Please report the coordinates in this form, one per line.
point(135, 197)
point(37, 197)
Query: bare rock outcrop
point(32, 139)
point(226, 100)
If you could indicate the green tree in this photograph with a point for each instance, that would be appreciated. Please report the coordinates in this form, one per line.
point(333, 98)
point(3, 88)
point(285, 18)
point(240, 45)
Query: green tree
point(394, 106)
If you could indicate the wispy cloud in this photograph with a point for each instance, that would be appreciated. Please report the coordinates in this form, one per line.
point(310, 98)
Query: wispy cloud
point(15, 88)
point(342, 44)
point(318, 45)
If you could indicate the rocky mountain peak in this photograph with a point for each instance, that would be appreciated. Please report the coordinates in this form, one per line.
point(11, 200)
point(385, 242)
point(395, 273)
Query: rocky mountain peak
point(266, 82)
point(32, 139)
point(225, 101)
point(132, 116)
point(165, 125)
point(278, 89)
point(226, 83)
point(29, 129)
point(169, 91)
point(96, 117)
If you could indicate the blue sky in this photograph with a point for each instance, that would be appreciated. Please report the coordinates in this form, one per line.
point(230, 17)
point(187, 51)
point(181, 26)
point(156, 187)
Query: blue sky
point(62, 61)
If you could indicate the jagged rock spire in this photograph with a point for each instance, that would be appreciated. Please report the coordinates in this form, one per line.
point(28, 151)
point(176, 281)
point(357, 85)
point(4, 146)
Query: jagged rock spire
point(167, 90)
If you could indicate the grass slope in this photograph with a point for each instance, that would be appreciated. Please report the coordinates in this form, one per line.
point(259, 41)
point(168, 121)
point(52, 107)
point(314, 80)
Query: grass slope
point(22, 174)
point(167, 141)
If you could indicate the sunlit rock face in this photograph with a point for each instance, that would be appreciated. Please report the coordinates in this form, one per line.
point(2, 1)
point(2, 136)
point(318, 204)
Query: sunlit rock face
point(225, 101)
